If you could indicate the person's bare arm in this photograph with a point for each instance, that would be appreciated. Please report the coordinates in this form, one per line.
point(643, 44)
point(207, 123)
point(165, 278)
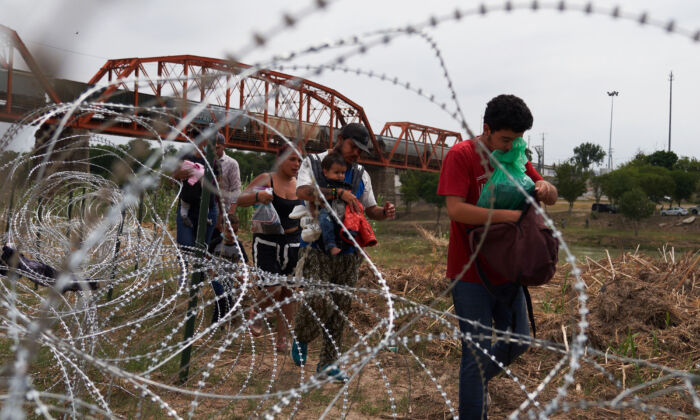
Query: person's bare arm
point(546, 192)
point(307, 192)
point(388, 211)
point(250, 197)
point(461, 211)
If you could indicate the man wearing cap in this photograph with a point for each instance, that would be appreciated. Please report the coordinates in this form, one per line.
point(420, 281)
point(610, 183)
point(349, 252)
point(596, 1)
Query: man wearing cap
point(341, 269)
point(230, 180)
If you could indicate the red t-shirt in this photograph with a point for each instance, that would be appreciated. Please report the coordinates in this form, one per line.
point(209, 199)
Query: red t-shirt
point(463, 175)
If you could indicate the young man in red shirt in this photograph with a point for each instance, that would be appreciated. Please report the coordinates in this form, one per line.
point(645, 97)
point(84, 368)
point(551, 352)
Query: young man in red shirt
point(461, 181)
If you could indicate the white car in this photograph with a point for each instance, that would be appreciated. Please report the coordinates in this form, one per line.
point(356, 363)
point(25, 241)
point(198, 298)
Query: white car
point(674, 211)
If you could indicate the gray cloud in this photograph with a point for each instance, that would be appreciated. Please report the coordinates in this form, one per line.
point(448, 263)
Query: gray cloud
point(560, 63)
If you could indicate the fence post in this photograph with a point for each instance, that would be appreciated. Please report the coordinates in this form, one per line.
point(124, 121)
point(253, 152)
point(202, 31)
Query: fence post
point(70, 212)
point(39, 210)
point(82, 217)
point(139, 217)
point(197, 275)
point(117, 245)
point(9, 208)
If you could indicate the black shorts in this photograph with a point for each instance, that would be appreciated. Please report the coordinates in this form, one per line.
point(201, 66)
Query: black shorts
point(276, 254)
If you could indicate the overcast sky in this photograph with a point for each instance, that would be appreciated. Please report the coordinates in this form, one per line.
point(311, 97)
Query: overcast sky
point(561, 64)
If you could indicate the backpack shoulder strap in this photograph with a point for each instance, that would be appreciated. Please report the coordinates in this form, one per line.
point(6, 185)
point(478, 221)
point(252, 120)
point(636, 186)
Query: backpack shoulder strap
point(316, 168)
point(357, 173)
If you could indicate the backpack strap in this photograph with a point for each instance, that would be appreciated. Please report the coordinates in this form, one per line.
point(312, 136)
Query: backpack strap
point(318, 172)
point(357, 173)
point(530, 314)
point(492, 290)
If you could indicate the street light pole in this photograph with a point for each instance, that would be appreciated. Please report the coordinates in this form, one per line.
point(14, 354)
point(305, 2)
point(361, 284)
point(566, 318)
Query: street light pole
point(670, 105)
point(611, 95)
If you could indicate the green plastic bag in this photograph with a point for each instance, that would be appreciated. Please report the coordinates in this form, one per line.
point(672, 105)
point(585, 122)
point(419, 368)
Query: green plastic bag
point(500, 187)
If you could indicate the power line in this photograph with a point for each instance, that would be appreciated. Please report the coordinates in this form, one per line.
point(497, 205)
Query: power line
point(66, 50)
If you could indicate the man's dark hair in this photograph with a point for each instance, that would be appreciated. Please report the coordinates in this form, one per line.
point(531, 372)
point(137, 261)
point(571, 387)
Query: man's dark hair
point(507, 112)
point(331, 158)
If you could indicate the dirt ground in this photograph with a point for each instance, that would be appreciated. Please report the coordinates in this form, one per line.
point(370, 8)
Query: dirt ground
point(644, 325)
point(647, 310)
point(643, 306)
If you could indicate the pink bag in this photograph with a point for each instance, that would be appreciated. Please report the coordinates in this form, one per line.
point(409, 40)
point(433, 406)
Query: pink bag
point(196, 168)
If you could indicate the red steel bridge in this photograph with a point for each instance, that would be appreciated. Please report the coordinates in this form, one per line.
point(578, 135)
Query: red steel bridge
point(258, 105)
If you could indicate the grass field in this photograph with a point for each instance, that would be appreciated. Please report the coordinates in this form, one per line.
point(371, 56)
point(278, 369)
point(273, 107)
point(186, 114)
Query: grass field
point(411, 256)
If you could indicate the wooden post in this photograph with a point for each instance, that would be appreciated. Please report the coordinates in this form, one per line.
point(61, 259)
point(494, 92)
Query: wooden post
point(197, 275)
point(117, 245)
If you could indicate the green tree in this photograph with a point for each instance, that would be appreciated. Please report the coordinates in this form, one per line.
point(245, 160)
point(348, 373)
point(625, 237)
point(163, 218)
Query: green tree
point(597, 184)
point(656, 182)
point(428, 191)
point(685, 184)
point(617, 182)
point(587, 154)
point(252, 163)
point(410, 188)
point(662, 158)
point(570, 181)
point(688, 164)
point(635, 206)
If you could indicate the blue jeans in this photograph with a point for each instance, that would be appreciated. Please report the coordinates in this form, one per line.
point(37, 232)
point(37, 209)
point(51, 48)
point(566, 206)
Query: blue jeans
point(474, 302)
point(188, 235)
point(327, 224)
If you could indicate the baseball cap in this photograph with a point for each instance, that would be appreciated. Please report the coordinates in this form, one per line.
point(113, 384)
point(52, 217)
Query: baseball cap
point(358, 133)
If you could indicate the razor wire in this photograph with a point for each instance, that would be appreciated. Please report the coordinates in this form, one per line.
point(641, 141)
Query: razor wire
point(92, 339)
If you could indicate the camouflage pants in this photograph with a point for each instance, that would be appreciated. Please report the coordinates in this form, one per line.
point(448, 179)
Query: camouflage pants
point(338, 269)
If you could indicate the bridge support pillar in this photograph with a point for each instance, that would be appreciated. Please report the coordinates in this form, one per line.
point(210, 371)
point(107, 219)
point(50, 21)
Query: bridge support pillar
point(383, 182)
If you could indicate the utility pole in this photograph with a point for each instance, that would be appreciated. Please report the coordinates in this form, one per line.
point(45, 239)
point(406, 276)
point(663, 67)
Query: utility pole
point(670, 105)
point(542, 169)
point(540, 156)
point(612, 97)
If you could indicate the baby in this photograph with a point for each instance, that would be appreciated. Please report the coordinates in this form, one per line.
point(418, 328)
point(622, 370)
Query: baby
point(333, 167)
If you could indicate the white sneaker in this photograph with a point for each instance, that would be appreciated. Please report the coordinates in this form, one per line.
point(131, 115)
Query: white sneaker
point(311, 233)
point(298, 212)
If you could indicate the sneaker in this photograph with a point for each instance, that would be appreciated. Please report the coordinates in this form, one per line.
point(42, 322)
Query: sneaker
point(298, 352)
point(311, 233)
point(332, 371)
point(298, 212)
